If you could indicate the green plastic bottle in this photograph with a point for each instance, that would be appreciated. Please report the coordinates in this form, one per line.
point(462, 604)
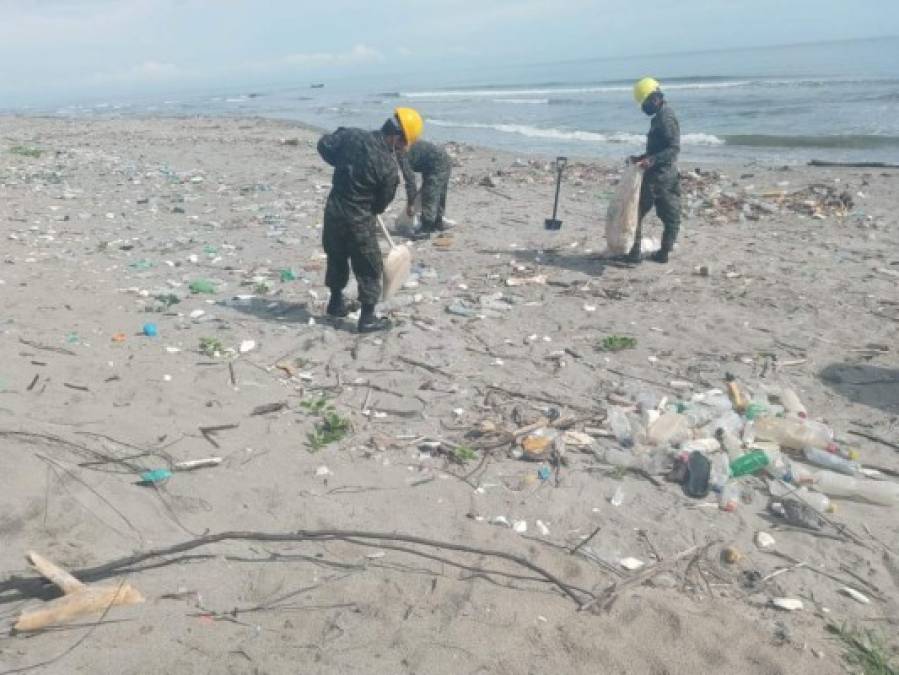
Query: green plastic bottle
point(750, 463)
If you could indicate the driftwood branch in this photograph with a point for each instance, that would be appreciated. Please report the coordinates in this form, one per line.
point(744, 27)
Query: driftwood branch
point(127, 563)
point(78, 599)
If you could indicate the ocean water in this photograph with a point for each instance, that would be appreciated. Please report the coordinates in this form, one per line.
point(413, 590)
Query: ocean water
point(832, 101)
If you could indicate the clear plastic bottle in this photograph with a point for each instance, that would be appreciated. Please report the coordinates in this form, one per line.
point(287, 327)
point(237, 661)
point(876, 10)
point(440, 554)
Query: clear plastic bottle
point(792, 432)
point(670, 429)
point(832, 461)
point(818, 501)
point(730, 443)
point(791, 403)
point(874, 491)
point(719, 472)
point(704, 445)
point(779, 467)
point(729, 498)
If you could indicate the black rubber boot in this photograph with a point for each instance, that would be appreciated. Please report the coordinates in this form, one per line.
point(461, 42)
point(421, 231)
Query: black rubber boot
point(661, 256)
point(336, 306)
point(424, 233)
point(635, 256)
point(369, 323)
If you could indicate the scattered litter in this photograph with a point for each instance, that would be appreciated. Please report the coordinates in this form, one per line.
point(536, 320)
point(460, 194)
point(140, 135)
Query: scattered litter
point(764, 541)
point(631, 564)
point(247, 346)
point(855, 595)
point(787, 604)
point(155, 476)
point(520, 526)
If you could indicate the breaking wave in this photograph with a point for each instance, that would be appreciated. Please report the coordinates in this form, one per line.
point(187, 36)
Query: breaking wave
point(505, 93)
point(845, 141)
point(574, 134)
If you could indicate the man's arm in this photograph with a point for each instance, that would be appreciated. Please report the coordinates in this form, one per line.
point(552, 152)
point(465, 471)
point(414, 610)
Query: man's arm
point(408, 179)
point(330, 147)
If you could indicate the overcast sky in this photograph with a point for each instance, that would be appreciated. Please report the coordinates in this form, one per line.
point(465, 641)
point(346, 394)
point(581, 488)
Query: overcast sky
point(52, 49)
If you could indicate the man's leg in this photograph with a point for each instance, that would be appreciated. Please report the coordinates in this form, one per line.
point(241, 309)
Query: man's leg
point(443, 184)
point(334, 241)
point(430, 202)
point(368, 267)
point(668, 208)
point(647, 199)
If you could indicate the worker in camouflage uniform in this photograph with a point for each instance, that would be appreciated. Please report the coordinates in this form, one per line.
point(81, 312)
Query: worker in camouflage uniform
point(434, 165)
point(365, 180)
point(661, 185)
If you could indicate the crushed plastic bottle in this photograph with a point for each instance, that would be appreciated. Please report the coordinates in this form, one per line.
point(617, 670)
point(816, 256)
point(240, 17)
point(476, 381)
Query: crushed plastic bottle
point(832, 461)
point(793, 433)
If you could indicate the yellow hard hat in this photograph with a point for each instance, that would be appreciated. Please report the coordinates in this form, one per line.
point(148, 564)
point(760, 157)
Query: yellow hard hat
point(643, 88)
point(410, 122)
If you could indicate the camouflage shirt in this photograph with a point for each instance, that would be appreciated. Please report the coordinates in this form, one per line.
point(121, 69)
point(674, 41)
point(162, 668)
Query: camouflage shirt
point(365, 174)
point(425, 158)
point(663, 139)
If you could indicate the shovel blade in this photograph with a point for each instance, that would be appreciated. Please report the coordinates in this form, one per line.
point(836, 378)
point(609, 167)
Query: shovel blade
point(552, 224)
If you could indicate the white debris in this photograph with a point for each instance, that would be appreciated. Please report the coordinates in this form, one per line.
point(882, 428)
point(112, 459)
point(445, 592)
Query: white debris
point(764, 540)
point(247, 346)
point(787, 604)
point(855, 595)
point(631, 564)
point(520, 526)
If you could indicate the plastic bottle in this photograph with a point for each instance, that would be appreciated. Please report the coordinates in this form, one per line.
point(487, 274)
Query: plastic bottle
point(703, 445)
point(832, 461)
point(730, 443)
point(737, 397)
point(751, 462)
point(874, 491)
point(698, 415)
point(719, 472)
point(779, 467)
point(620, 426)
point(671, 428)
point(730, 497)
point(791, 403)
point(818, 501)
point(793, 433)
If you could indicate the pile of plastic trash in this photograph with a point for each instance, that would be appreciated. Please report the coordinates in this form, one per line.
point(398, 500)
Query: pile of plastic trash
point(712, 441)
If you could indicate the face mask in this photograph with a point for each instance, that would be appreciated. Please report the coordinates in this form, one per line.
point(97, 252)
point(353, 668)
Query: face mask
point(650, 106)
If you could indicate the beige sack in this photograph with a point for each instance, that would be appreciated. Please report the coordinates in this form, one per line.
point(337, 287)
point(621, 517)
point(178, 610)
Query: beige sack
point(621, 218)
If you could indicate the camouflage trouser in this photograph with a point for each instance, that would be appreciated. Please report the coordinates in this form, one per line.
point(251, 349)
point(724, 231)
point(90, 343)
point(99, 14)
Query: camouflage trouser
point(661, 190)
point(433, 198)
point(355, 243)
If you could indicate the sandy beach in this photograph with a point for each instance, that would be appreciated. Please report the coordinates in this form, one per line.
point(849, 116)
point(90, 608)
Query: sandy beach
point(106, 224)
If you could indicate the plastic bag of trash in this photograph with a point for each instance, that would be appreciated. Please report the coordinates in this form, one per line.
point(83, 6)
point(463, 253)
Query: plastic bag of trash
point(621, 218)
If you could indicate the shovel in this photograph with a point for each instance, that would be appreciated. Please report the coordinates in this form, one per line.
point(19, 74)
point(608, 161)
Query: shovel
point(396, 266)
point(552, 223)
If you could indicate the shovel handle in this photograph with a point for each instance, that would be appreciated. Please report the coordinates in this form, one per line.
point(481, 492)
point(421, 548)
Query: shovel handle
point(386, 233)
